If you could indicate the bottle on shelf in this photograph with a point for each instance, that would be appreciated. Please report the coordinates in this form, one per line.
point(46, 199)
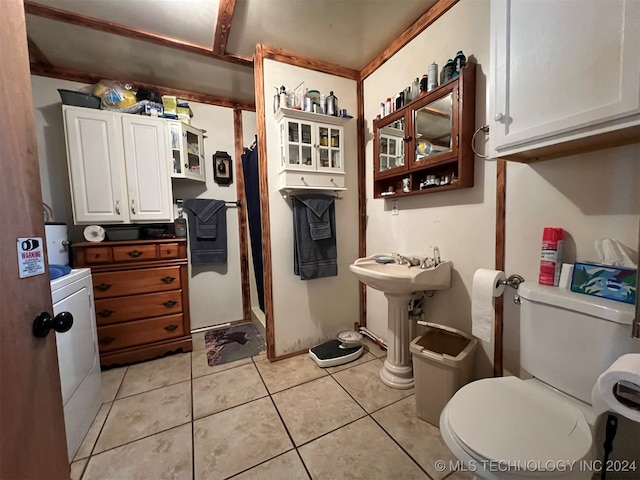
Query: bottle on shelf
point(283, 97)
point(382, 110)
point(448, 70)
point(432, 73)
point(387, 106)
point(424, 83)
point(415, 89)
point(459, 62)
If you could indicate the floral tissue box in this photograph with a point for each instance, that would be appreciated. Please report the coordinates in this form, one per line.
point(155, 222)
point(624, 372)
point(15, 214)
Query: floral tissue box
point(607, 281)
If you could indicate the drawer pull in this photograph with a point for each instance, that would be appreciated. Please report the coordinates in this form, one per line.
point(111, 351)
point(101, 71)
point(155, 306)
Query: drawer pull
point(171, 328)
point(105, 313)
point(170, 304)
point(107, 340)
point(103, 287)
point(167, 279)
point(134, 253)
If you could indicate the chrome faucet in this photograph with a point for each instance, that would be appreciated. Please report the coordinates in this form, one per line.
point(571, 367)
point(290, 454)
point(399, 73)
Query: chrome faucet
point(402, 260)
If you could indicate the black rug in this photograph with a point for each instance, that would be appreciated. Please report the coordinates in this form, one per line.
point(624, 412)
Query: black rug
point(233, 343)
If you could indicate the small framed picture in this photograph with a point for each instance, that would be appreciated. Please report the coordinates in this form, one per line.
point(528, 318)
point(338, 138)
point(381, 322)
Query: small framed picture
point(222, 168)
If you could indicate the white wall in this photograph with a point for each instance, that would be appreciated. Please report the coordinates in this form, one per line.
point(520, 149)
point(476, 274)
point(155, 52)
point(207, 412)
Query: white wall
point(461, 223)
point(215, 291)
point(307, 312)
point(592, 196)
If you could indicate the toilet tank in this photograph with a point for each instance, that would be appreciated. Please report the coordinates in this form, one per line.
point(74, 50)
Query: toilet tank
point(568, 339)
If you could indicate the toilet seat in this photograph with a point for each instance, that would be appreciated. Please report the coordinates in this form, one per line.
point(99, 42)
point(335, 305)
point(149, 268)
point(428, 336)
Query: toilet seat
point(510, 422)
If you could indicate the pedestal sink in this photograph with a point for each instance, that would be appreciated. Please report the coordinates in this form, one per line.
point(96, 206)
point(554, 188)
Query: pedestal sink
point(398, 283)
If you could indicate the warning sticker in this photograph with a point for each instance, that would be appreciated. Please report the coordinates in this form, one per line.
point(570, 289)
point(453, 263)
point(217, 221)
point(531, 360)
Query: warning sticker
point(30, 257)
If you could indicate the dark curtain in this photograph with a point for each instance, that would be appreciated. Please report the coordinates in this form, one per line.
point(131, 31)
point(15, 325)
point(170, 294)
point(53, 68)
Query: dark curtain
point(252, 193)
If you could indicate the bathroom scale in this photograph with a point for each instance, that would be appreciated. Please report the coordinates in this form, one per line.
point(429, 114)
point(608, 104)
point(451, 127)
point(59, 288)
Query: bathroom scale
point(346, 348)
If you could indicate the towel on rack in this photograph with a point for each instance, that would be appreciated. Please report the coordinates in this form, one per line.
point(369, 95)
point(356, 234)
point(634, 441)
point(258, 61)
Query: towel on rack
point(207, 230)
point(314, 236)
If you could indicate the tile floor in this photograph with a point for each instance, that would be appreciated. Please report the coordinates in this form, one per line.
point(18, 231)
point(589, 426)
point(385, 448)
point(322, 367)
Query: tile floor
point(178, 418)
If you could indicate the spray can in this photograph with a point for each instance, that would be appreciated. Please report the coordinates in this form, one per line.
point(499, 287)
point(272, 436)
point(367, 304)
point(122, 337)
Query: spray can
point(551, 256)
point(432, 74)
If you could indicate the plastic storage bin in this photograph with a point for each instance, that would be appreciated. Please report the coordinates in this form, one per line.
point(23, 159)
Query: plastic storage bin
point(442, 364)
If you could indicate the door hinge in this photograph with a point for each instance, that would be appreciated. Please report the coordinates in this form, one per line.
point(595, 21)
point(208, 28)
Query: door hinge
point(458, 93)
point(457, 140)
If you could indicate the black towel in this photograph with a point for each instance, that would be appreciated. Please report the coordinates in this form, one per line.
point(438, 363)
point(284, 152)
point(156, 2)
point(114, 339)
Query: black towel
point(314, 236)
point(207, 230)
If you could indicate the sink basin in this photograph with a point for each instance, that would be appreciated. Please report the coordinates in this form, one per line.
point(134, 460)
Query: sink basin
point(401, 279)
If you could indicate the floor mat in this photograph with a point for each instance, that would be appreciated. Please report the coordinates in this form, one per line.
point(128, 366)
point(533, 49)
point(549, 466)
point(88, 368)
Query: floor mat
point(233, 343)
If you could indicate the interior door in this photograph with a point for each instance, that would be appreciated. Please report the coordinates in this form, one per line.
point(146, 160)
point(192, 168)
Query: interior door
point(32, 436)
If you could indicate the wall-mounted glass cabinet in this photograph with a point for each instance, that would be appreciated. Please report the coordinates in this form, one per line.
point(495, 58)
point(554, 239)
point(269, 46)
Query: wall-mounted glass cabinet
point(428, 141)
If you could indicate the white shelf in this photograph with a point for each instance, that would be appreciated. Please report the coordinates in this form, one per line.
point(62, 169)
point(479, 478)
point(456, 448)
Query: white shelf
point(310, 116)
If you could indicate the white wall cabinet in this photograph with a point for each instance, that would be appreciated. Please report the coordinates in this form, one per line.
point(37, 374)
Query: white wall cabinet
point(187, 151)
point(118, 167)
point(311, 150)
point(563, 76)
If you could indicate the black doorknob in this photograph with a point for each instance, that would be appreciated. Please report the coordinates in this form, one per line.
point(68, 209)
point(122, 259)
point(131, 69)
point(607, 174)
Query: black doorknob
point(43, 323)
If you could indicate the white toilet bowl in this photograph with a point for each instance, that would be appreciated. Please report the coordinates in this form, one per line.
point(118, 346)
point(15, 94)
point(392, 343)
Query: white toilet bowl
point(505, 428)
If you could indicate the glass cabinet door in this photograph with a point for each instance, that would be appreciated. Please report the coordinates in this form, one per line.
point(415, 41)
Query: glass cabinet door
point(329, 148)
point(176, 147)
point(193, 149)
point(299, 144)
point(390, 146)
point(433, 130)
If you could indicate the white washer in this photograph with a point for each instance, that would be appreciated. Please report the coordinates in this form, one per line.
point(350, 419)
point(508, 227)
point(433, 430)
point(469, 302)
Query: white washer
point(78, 357)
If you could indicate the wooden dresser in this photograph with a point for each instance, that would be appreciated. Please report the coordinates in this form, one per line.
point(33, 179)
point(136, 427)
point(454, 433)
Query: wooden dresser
point(141, 293)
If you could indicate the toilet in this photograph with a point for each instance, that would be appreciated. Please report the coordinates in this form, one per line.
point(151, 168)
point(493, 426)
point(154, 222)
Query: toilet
point(541, 427)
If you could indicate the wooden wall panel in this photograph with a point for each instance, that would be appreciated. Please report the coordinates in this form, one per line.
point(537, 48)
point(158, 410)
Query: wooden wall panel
point(501, 190)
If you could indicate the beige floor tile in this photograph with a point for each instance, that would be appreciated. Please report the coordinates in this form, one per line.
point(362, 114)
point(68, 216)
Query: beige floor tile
point(288, 372)
point(420, 439)
point(165, 456)
point(364, 358)
point(373, 348)
point(155, 374)
point(467, 476)
point(94, 431)
point(138, 416)
point(111, 380)
point(260, 357)
point(77, 468)
point(364, 384)
point(359, 450)
point(316, 408)
point(237, 439)
point(198, 341)
point(287, 466)
point(200, 366)
point(226, 389)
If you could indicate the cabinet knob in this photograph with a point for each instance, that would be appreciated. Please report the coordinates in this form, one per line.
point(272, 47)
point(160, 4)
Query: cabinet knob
point(103, 287)
point(498, 117)
point(134, 253)
point(167, 279)
point(302, 179)
point(118, 207)
point(133, 206)
point(105, 313)
point(407, 139)
point(171, 328)
point(170, 303)
point(107, 340)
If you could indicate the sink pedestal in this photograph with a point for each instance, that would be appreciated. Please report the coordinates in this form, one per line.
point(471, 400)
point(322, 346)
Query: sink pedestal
point(397, 371)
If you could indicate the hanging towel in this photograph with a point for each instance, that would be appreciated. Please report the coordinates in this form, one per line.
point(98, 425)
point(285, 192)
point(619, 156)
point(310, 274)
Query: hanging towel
point(314, 236)
point(207, 230)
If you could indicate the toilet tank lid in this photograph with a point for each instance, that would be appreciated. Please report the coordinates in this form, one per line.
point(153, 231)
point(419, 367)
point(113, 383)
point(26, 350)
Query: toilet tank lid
point(610, 310)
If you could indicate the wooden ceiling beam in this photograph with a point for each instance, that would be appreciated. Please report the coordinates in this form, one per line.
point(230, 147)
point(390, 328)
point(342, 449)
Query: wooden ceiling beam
point(90, 78)
point(291, 58)
point(426, 19)
point(36, 54)
point(124, 31)
point(223, 26)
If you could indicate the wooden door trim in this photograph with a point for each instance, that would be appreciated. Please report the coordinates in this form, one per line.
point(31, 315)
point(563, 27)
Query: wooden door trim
point(242, 215)
point(263, 169)
point(362, 198)
point(501, 190)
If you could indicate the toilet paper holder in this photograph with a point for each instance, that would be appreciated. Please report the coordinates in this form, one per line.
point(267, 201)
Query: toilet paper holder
point(513, 281)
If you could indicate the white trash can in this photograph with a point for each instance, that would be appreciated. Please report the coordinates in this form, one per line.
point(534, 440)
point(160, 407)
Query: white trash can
point(442, 364)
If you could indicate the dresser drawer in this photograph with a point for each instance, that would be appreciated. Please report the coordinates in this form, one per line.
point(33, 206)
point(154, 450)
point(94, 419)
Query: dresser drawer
point(98, 255)
point(134, 253)
point(139, 332)
point(168, 250)
point(131, 282)
point(134, 307)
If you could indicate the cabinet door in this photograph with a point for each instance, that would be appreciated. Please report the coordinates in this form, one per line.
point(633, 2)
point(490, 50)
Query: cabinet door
point(176, 148)
point(562, 70)
point(148, 182)
point(390, 155)
point(329, 149)
point(296, 142)
point(96, 167)
point(193, 153)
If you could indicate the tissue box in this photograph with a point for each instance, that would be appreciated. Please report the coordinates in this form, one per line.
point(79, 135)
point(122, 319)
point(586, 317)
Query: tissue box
point(607, 281)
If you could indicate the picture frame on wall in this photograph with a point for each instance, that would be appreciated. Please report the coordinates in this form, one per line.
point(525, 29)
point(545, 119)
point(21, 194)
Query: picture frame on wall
point(222, 168)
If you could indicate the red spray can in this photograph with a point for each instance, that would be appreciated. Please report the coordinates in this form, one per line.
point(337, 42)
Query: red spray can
point(551, 256)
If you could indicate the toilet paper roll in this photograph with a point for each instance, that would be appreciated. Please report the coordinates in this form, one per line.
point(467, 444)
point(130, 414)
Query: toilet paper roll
point(603, 399)
point(485, 288)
